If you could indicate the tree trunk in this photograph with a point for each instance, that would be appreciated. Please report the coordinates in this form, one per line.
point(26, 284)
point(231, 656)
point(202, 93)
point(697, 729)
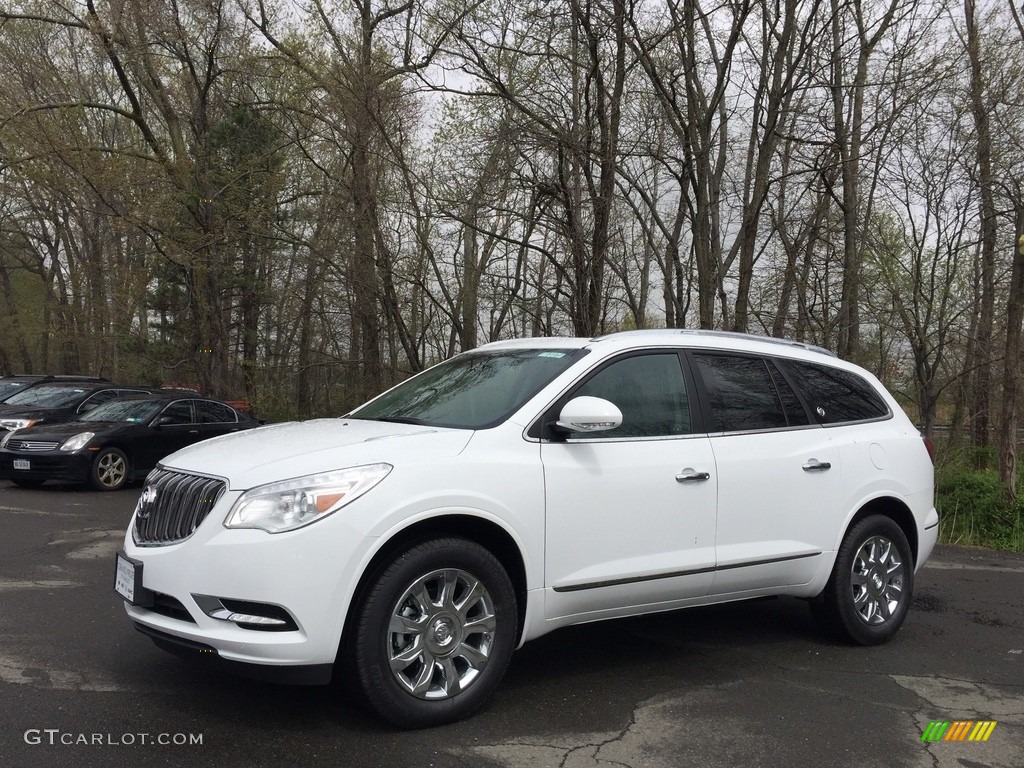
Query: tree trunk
point(980, 394)
point(1011, 370)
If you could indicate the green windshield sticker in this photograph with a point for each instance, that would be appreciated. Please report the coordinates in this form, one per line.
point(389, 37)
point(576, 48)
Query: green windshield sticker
point(552, 354)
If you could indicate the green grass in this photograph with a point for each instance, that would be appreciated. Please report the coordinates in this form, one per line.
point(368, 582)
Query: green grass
point(974, 508)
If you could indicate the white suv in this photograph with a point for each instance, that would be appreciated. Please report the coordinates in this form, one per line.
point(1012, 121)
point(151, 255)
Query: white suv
point(526, 486)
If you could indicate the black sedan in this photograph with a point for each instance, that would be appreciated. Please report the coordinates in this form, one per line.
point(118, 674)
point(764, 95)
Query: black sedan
point(118, 441)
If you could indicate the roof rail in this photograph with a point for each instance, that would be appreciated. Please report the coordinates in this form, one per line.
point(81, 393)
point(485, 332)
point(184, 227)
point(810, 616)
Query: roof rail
point(701, 332)
point(56, 377)
point(74, 377)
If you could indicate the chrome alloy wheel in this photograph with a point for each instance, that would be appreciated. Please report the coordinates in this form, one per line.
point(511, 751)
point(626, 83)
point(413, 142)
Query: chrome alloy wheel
point(441, 633)
point(876, 578)
point(111, 469)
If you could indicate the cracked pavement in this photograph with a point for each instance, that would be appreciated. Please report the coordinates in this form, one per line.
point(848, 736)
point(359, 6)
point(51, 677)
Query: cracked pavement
point(745, 684)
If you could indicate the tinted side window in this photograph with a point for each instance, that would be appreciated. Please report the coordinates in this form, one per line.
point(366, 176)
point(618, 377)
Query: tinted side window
point(650, 392)
point(741, 393)
point(178, 412)
point(835, 395)
point(214, 413)
point(795, 413)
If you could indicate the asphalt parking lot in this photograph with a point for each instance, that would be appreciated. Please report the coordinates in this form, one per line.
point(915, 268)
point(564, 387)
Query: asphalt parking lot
point(752, 684)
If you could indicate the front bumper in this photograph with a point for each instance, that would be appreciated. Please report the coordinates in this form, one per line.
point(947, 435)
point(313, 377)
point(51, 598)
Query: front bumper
point(50, 465)
point(307, 575)
point(309, 674)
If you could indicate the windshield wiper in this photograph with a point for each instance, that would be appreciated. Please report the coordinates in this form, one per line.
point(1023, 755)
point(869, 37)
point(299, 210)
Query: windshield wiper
point(398, 420)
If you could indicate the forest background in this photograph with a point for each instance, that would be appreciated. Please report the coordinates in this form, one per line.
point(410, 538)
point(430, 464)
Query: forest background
point(300, 202)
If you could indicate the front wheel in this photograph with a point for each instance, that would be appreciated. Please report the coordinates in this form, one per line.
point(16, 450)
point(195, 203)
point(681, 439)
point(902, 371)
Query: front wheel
point(872, 583)
point(434, 633)
point(109, 470)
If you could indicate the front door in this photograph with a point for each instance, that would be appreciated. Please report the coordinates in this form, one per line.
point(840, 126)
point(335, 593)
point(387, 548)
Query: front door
point(173, 429)
point(631, 511)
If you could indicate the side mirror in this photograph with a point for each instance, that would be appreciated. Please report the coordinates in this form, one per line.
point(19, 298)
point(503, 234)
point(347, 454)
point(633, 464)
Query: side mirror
point(589, 414)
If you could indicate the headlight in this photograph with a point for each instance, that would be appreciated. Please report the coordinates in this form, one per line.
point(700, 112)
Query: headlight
point(77, 442)
point(13, 424)
point(294, 503)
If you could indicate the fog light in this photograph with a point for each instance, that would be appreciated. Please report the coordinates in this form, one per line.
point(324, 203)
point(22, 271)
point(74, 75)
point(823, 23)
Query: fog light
point(246, 613)
point(245, 618)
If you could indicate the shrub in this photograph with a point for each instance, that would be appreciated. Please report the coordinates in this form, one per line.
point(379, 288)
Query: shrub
point(975, 509)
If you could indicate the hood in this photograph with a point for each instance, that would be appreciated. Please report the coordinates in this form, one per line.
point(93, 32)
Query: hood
point(41, 416)
point(64, 429)
point(21, 412)
point(283, 451)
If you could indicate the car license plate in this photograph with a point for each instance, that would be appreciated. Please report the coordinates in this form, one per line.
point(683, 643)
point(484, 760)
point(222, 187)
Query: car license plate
point(22, 464)
point(128, 578)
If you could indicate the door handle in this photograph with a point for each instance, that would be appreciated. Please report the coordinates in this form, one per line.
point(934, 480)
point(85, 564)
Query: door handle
point(813, 465)
point(689, 476)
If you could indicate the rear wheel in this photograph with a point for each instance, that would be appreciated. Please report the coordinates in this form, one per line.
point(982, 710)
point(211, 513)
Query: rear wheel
point(872, 583)
point(109, 470)
point(434, 633)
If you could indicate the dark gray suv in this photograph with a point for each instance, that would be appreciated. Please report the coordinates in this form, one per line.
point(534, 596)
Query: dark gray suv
point(58, 400)
point(12, 385)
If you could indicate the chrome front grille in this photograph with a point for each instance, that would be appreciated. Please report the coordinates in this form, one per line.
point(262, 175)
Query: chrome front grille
point(15, 444)
point(172, 506)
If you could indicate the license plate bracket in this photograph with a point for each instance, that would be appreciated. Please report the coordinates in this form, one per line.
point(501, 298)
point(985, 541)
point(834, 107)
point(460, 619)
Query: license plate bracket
point(22, 464)
point(128, 581)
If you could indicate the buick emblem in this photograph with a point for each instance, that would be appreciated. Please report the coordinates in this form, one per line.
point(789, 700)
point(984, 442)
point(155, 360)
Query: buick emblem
point(146, 500)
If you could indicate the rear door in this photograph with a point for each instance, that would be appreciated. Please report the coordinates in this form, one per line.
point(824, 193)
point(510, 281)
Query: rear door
point(779, 474)
point(215, 418)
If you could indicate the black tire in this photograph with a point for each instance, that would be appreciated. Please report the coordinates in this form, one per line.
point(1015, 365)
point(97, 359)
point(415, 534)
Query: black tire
point(27, 482)
point(109, 470)
point(459, 607)
point(872, 583)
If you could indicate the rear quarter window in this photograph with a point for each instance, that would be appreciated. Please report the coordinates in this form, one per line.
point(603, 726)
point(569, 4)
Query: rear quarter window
point(214, 413)
point(836, 396)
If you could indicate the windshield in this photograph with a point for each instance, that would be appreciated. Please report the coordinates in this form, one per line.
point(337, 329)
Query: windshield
point(125, 411)
point(8, 388)
point(47, 396)
point(472, 391)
